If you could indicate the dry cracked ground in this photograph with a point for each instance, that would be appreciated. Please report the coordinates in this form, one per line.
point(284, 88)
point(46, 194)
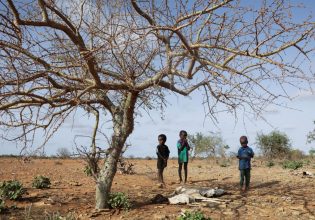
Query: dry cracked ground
point(275, 193)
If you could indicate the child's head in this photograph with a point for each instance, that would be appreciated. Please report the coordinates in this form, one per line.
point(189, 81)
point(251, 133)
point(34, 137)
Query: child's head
point(162, 138)
point(243, 141)
point(183, 134)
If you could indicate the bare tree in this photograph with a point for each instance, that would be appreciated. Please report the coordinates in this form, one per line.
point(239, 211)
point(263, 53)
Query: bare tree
point(122, 56)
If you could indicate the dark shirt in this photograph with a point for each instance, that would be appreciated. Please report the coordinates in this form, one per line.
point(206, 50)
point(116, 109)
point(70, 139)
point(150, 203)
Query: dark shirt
point(162, 151)
point(244, 155)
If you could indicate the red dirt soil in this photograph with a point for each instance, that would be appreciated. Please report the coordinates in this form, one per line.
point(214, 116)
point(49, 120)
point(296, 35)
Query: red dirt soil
point(275, 193)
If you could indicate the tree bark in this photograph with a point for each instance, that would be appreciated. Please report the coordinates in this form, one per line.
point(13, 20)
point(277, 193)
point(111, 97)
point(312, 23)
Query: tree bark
point(123, 121)
point(107, 173)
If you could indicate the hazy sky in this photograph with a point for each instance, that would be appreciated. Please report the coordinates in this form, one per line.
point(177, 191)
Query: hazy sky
point(188, 113)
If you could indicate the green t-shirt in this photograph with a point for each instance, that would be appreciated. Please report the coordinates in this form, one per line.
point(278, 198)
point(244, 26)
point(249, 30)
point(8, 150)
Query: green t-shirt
point(183, 149)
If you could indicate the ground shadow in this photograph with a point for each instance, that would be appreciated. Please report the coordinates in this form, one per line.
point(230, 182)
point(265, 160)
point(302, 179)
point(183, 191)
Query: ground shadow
point(266, 184)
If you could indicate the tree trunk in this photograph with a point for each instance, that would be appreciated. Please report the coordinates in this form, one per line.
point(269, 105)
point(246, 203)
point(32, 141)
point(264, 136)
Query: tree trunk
point(107, 173)
point(123, 121)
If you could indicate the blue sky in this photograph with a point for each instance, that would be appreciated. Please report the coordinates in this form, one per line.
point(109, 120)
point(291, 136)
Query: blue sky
point(188, 113)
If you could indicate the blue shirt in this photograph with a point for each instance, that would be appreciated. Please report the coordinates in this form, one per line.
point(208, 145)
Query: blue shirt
point(244, 155)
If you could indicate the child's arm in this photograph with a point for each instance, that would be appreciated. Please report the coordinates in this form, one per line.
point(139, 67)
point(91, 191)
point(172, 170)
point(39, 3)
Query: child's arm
point(159, 153)
point(238, 154)
point(180, 146)
point(167, 153)
point(188, 147)
point(252, 153)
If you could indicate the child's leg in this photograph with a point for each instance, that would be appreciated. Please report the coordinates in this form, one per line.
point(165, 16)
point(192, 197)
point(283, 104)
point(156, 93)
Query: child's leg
point(180, 165)
point(247, 176)
point(242, 175)
point(162, 178)
point(159, 175)
point(186, 170)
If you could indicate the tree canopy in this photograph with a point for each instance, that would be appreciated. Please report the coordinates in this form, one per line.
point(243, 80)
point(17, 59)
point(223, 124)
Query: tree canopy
point(274, 145)
point(120, 57)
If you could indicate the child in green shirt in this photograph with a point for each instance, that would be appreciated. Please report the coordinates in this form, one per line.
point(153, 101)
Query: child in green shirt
point(183, 150)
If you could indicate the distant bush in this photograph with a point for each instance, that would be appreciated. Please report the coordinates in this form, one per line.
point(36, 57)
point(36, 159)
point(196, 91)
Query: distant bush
point(270, 164)
point(274, 144)
point(119, 200)
point(195, 215)
point(63, 153)
point(296, 154)
point(148, 158)
point(41, 182)
point(292, 164)
point(312, 152)
point(11, 189)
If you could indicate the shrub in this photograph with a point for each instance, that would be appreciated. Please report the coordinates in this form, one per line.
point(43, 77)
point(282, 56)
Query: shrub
point(41, 182)
point(148, 158)
point(270, 164)
point(195, 215)
point(11, 189)
point(63, 152)
point(119, 200)
point(88, 170)
point(292, 164)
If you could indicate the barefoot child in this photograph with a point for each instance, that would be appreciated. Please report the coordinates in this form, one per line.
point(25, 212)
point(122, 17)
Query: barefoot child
point(183, 150)
point(163, 153)
point(244, 155)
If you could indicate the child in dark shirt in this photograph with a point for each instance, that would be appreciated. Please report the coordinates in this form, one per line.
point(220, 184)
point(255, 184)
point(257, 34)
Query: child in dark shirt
point(163, 153)
point(244, 154)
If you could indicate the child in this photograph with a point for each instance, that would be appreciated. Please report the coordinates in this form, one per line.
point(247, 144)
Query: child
point(244, 155)
point(163, 153)
point(183, 149)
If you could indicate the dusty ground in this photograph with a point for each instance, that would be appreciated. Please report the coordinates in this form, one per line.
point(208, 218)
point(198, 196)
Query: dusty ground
point(275, 194)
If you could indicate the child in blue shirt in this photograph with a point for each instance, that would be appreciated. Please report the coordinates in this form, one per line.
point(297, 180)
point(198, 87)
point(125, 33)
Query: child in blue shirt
point(244, 154)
